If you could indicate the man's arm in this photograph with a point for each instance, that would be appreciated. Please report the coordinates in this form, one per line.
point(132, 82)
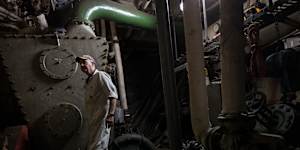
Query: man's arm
point(112, 106)
point(111, 113)
point(112, 97)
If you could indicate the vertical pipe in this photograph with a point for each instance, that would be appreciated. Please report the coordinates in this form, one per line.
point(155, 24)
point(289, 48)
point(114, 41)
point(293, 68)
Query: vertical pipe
point(97, 27)
point(168, 75)
point(121, 83)
point(103, 28)
point(195, 59)
point(174, 37)
point(204, 20)
point(232, 56)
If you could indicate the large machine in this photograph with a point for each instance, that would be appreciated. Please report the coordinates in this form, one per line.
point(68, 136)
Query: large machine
point(42, 87)
point(48, 86)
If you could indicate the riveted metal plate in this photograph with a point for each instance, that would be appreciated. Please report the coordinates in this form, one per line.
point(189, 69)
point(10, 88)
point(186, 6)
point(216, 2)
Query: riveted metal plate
point(40, 94)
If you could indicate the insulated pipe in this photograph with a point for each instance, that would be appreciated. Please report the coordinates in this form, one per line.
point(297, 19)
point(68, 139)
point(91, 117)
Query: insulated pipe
point(232, 57)
point(103, 28)
point(11, 16)
point(89, 10)
point(273, 32)
point(204, 20)
point(118, 58)
point(195, 60)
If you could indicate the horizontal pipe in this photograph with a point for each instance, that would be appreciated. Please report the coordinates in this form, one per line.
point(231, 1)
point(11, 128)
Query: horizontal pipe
point(11, 16)
point(89, 10)
point(273, 32)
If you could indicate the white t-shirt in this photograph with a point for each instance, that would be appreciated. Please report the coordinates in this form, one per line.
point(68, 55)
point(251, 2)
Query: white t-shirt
point(99, 88)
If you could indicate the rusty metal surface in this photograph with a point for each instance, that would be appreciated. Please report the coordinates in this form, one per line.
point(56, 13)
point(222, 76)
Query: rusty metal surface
point(57, 81)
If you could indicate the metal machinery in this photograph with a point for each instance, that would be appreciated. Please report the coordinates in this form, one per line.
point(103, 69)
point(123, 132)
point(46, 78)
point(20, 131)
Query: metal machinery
point(272, 31)
point(275, 59)
point(47, 86)
point(42, 87)
point(41, 82)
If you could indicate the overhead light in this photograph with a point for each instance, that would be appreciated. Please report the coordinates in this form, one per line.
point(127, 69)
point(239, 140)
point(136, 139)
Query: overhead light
point(181, 5)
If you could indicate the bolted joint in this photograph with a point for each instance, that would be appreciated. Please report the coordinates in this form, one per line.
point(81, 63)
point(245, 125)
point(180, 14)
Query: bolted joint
point(85, 22)
point(237, 122)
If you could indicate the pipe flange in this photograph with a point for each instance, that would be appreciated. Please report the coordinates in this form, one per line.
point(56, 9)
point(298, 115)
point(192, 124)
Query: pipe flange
point(86, 22)
point(58, 63)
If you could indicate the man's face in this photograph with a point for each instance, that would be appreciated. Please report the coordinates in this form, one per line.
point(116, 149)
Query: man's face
point(87, 66)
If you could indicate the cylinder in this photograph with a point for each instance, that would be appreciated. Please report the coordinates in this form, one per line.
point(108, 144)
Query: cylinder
point(232, 56)
point(196, 74)
point(120, 73)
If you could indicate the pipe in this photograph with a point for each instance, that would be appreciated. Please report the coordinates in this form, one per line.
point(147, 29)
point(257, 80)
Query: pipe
point(121, 82)
point(273, 32)
point(9, 15)
point(232, 57)
point(204, 20)
point(291, 22)
point(103, 28)
point(195, 60)
point(89, 10)
point(172, 106)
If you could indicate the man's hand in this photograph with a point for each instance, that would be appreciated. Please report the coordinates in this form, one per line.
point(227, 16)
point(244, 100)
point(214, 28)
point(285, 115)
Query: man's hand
point(110, 119)
point(127, 116)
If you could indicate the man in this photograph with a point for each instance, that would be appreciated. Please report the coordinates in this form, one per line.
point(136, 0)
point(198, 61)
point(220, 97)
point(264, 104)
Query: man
point(100, 101)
